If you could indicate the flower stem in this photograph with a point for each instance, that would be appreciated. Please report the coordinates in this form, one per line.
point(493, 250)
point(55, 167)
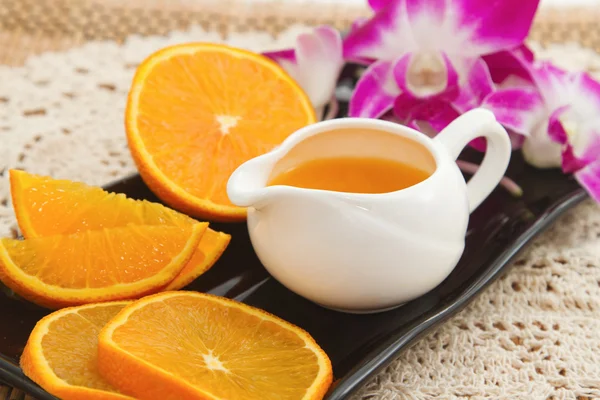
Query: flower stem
point(332, 109)
point(507, 183)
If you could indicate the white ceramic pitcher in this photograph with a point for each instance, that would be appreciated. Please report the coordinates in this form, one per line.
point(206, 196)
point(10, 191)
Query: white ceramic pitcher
point(368, 252)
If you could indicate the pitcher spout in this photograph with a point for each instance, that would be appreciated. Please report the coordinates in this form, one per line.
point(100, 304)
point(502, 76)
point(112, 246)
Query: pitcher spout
point(247, 186)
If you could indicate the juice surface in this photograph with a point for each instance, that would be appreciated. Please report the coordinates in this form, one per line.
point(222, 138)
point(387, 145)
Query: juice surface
point(352, 175)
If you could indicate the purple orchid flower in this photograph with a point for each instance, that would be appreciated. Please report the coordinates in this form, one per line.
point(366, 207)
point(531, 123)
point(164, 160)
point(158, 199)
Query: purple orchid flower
point(516, 107)
point(315, 64)
point(508, 68)
point(426, 49)
point(568, 133)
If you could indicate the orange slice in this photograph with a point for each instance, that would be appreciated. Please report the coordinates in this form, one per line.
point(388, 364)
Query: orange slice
point(211, 247)
point(197, 111)
point(61, 353)
point(188, 345)
point(101, 265)
point(45, 206)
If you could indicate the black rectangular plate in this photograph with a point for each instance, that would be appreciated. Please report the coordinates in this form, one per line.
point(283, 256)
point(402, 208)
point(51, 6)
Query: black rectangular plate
point(358, 345)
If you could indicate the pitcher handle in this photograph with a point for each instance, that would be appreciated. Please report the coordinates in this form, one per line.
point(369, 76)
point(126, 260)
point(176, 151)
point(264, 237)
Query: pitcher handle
point(473, 124)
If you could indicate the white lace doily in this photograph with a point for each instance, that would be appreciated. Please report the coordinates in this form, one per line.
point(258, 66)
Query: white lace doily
point(534, 334)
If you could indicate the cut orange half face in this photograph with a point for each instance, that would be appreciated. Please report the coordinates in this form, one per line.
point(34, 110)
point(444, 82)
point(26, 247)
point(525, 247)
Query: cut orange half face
point(188, 345)
point(197, 111)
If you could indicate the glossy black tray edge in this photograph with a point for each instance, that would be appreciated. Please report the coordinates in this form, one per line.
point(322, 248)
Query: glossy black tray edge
point(386, 352)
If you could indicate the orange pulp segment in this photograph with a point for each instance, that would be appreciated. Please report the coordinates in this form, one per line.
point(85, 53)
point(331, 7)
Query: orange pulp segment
point(46, 206)
point(61, 353)
point(197, 111)
point(188, 345)
point(102, 265)
point(211, 247)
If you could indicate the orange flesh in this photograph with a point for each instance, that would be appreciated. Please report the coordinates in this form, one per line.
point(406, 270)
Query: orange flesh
point(352, 174)
point(47, 206)
point(61, 353)
point(98, 259)
point(71, 346)
point(218, 349)
point(201, 114)
point(211, 247)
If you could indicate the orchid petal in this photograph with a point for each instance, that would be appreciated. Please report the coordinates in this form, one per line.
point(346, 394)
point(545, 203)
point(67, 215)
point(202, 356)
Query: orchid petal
point(556, 129)
point(574, 102)
point(571, 161)
point(287, 55)
point(319, 56)
point(553, 84)
point(315, 63)
point(507, 64)
point(463, 28)
point(519, 110)
point(540, 150)
point(524, 53)
point(488, 22)
point(435, 111)
point(560, 88)
point(375, 91)
point(438, 115)
point(479, 144)
point(357, 23)
point(470, 27)
point(424, 75)
point(478, 85)
point(591, 151)
point(589, 178)
point(385, 36)
point(378, 5)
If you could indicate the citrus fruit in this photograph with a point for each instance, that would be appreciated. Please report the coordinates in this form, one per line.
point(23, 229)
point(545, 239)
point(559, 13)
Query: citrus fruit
point(61, 353)
point(46, 206)
point(211, 247)
point(196, 111)
point(101, 265)
point(188, 345)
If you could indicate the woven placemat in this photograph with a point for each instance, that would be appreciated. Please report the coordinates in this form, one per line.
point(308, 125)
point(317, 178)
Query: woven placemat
point(29, 27)
point(33, 26)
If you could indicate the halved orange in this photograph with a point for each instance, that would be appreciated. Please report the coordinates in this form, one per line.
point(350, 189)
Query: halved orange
point(188, 345)
point(46, 206)
point(61, 353)
point(101, 265)
point(197, 111)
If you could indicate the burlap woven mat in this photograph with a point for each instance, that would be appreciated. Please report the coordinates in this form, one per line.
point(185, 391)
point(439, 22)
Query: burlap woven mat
point(29, 27)
point(34, 26)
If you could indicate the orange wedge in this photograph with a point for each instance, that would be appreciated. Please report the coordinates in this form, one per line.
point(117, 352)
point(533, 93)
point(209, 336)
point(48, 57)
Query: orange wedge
point(211, 247)
point(102, 265)
point(197, 111)
point(45, 206)
point(61, 353)
point(188, 345)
